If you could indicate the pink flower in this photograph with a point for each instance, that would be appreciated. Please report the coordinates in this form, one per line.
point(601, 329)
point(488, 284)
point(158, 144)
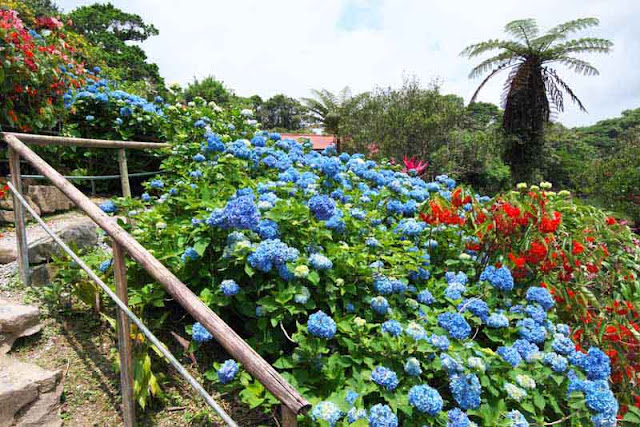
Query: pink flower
point(373, 149)
point(414, 164)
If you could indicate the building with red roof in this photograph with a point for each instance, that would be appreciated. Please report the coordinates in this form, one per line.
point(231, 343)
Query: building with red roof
point(319, 142)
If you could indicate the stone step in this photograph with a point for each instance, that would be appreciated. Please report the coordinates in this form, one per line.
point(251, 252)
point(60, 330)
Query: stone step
point(17, 320)
point(79, 232)
point(29, 395)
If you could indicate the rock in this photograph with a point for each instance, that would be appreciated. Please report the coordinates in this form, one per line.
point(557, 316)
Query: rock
point(7, 204)
point(29, 395)
point(43, 274)
point(16, 321)
point(49, 198)
point(7, 216)
point(79, 234)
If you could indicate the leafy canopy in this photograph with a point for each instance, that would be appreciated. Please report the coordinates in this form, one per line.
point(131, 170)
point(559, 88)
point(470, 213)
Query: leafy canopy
point(114, 30)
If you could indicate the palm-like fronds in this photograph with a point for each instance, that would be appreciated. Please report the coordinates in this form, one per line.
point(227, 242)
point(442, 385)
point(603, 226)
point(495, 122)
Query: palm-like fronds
point(327, 106)
point(533, 92)
point(523, 29)
point(533, 51)
point(574, 25)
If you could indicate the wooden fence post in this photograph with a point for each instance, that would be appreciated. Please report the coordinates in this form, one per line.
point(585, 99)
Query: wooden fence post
point(124, 338)
point(18, 212)
point(124, 172)
point(289, 418)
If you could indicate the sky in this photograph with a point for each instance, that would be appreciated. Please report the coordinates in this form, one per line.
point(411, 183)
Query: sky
point(292, 46)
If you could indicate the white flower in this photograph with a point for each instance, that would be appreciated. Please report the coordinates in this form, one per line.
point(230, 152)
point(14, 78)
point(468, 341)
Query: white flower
point(246, 112)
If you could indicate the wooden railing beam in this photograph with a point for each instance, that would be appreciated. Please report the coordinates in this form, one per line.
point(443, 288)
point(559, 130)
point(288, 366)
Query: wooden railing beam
point(28, 138)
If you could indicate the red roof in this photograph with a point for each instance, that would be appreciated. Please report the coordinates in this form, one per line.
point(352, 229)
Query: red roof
point(319, 142)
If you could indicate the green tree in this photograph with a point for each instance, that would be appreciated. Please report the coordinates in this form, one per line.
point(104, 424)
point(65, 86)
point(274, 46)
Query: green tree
point(533, 87)
point(406, 121)
point(210, 89)
point(282, 112)
point(113, 30)
point(45, 7)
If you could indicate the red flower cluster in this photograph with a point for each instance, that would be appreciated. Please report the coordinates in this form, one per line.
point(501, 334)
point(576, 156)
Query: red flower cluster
point(33, 70)
point(442, 215)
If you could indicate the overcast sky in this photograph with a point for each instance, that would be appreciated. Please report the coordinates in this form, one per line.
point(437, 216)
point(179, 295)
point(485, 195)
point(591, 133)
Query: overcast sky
point(291, 46)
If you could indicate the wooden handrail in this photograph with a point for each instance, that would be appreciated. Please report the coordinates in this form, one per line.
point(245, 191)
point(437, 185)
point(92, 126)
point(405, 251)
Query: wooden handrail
point(28, 138)
point(227, 337)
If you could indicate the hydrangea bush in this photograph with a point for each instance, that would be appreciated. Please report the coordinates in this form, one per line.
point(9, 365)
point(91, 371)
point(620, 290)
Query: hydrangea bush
point(376, 315)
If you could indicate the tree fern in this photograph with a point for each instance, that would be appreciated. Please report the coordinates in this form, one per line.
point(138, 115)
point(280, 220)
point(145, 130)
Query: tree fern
point(533, 90)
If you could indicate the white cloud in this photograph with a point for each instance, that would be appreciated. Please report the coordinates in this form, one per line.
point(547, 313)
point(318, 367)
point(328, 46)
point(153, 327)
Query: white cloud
point(280, 46)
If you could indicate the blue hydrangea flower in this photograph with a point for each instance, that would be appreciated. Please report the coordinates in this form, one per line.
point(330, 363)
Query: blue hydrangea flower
point(412, 367)
point(599, 398)
point(558, 363)
point(242, 213)
point(457, 418)
point(382, 416)
point(104, 266)
point(531, 331)
point(89, 118)
point(385, 377)
point(356, 414)
point(258, 141)
point(416, 331)
point(227, 371)
point(267, 229)
point(326, 411)
point(563, 345)
point(541, 296)
point(351, 397)
point(537, 313)
point(145, 197)
point(466, 390)
point(500, 278)
point(455, 290)
point(199, 158)
point(425, 399)
point(514, 392)
point(455, 324)
point(392, 327)
point(510, 355)
point(108, 207)
point(459, 277)
point(157, 184)
point(517, 419)
point(497, 320)
point(476, 306)
point(322, 206)
point(320, 262)
point(382, 285)
point(425, 297)
point(272, 253)
point(321, 325)
point(350, 308)
point(380, 305)
point(451, 365)
point(200, 334)
point(529, 351)
point(229, 287)
point(189, 254)
point(563, 329)
point(596, 365)
point(440, 341)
